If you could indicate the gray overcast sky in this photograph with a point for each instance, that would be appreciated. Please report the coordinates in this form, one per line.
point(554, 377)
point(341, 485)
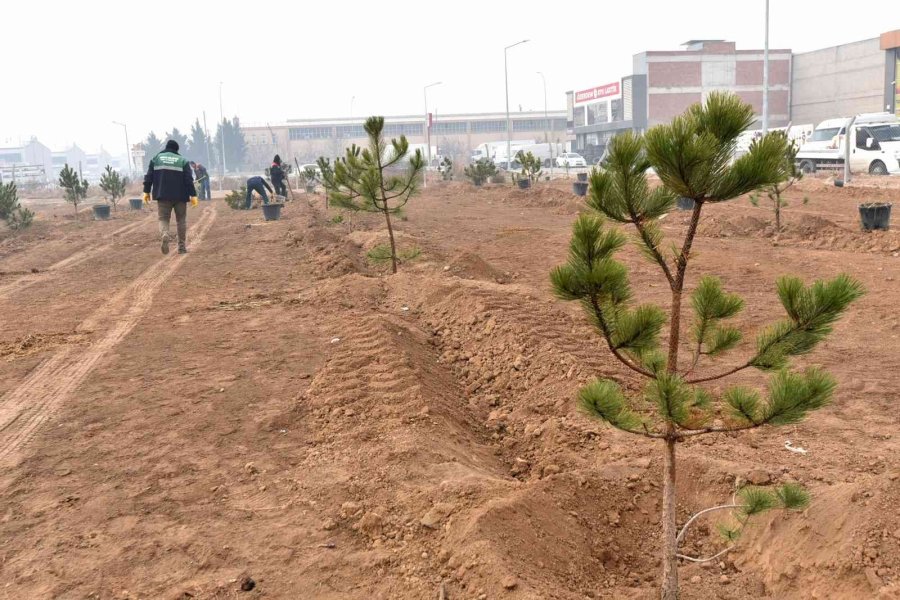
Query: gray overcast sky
point(76, 66)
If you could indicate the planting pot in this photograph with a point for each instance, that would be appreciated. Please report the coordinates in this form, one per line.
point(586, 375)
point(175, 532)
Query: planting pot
point(311, 189)
point(580, 188)
point(685, 203)
point(875, 215)
point(101, 212)
point(136, 203)
point(838, 183)
point(524, 184)
point(581, 177)
point(272, 212)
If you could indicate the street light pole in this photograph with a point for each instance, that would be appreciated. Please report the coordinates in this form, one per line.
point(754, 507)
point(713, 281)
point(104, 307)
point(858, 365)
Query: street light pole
point(222, 115)
point(506, 84)
point(427, 133)
point(546, 123)
point(127, 148)
point(765, 106)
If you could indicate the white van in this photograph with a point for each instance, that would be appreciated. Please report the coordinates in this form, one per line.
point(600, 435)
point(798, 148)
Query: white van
point(874, 145)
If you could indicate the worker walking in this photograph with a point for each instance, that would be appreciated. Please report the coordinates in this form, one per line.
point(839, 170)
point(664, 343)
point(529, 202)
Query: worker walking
point(171, 183)
point(201, 176)
point(259, 185)
point(276, 173)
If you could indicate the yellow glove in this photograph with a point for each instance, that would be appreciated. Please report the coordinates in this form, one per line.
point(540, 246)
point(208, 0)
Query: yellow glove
point(193, 200)
point(146, 198)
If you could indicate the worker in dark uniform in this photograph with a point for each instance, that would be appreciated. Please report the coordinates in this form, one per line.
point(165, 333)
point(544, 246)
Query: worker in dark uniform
point(171, 183)
point(201, 176)
point(276, 173)
point(259, 185)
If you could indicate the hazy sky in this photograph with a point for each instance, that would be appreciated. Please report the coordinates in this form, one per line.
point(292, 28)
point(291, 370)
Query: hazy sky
point(73, 67)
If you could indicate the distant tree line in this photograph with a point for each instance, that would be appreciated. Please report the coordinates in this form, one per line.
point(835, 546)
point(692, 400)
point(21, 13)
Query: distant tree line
point(194, 144)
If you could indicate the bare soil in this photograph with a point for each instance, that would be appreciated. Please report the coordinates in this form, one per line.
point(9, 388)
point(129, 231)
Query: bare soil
point(271, 406)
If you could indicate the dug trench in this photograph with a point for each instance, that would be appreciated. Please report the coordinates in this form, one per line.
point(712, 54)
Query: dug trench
point(334, 433)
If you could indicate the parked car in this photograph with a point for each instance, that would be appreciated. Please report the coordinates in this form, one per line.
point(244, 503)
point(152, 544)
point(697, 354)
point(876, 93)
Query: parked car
point(570, 159)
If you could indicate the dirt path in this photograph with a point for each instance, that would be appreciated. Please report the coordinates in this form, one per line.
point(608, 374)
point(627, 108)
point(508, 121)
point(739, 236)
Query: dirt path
point(273, 406)
point(26, 408)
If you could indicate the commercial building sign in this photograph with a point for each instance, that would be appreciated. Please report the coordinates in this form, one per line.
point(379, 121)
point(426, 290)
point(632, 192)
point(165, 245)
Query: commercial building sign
point(596, 93)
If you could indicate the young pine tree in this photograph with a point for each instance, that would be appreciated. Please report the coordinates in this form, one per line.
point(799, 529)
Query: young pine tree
point(692, 157)
point(114, 185)
point(375, 179)
point(74, 186)
point(792, 175)
point(481, 171)
point(531, 165)
point(16, 217)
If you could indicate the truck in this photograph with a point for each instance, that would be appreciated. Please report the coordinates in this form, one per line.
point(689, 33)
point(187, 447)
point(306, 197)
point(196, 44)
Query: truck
point(495, 150)
point(874, 140)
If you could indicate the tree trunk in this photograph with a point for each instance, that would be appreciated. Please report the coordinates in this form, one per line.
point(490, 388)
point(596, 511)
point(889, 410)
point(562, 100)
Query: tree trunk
point(387, 217)
point(777, 216)
point(669, 588)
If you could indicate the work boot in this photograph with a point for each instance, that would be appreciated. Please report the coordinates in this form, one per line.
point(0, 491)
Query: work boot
point(182, 249)
point(165, 243)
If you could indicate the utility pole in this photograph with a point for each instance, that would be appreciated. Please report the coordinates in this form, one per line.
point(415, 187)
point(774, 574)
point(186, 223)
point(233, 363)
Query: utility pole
point(208, 154)
point(127, 148)
point(222, 114)
point(765, 107)
point(506, 84)
point(427, 133)
point(547, 124)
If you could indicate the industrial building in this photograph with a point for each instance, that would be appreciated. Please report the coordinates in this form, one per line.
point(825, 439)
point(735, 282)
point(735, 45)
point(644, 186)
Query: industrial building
point(31, 162)
point(665, 83)
point(804, 88)
point(452, 135)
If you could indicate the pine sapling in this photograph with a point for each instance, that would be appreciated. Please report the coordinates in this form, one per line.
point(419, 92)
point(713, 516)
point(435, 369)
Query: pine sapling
point(531, 165)
point(114, 185)
point(481, 171)
point(792, 175)
point(16, 217)
point(692, 157)
point(74, 186)
point(446, 169)
point(375, 180)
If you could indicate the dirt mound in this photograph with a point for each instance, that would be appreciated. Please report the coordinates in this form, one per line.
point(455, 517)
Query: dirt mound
point(39, 342)
point(471, 266)
point(742, 226)
point(545, 196)
point(334, 253)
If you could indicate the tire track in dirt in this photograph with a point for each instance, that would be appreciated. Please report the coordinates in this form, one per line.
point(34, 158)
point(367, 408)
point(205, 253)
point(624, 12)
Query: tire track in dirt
point(75, 258)
point(24, 409)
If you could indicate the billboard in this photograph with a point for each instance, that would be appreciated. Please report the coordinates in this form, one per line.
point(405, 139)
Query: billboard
point(597, 93)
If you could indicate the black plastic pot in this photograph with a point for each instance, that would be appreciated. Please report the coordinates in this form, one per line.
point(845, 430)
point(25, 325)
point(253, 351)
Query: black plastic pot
point(580, 188)
point(524, 184)
point(271, 212)
point(685, 203)
point(581, 177)
point(101, 212)
point(838, 183)
point(135, 203)
point(875, 215)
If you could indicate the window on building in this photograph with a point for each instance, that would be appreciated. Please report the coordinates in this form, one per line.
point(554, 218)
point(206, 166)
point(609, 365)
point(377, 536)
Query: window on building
point(597, 113)
point(529, 125)
point(397, 129)
point(579, 116)
point(488, 126)
point(57, 160)
point(618, 112)
point(350, 131)
point(11, 157)
point(448, 127)
point(309, 133)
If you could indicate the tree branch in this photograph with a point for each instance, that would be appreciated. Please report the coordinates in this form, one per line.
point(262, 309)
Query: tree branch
point(604, 327)
point(746, 365)
point(654, 251)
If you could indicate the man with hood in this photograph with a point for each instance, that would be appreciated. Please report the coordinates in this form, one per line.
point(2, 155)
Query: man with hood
point(202, 178)
point(171, 183)
point(276, 173)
